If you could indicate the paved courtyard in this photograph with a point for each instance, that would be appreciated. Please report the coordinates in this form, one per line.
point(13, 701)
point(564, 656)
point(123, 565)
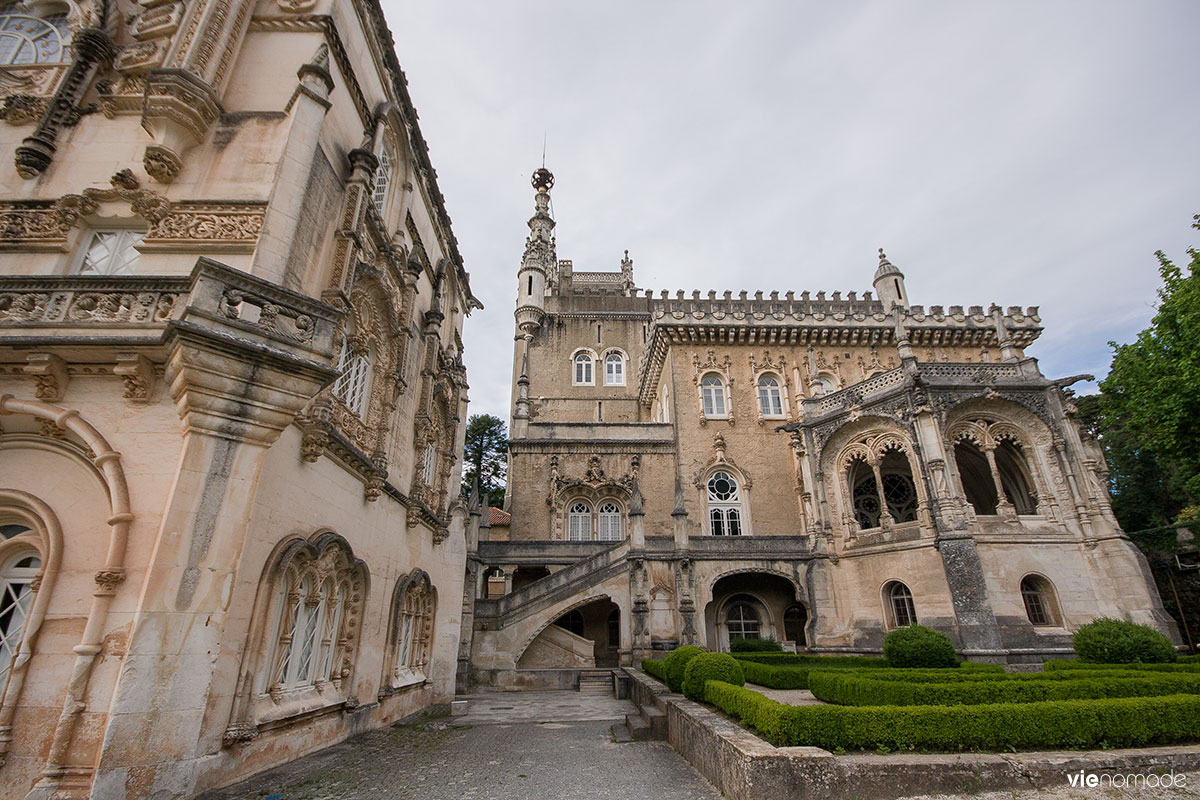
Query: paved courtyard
point(534, 745)
point(509, 745)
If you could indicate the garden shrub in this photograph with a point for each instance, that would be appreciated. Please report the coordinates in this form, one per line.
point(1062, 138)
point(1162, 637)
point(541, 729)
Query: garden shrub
point(1121, 722)
point(797, 676)
point(864, 689)
point(1115, 641)
point(656, 667)
point(782, 659)
point(710, 667)
point(676, 662)
point(742, 645)
point(918, 646)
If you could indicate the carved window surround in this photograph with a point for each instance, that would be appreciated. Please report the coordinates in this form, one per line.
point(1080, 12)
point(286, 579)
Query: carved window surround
point(45, 225)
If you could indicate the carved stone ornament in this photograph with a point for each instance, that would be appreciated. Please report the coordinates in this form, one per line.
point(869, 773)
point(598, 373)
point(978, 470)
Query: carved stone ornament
point(239, 734)
point(109, 579)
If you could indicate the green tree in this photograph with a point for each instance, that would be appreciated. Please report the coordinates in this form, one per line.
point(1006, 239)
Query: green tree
point(1148, 414)
point(485, 454)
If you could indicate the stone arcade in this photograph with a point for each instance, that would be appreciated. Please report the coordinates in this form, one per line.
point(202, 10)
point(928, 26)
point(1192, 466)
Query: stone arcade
point(232, 396)
point(817, 468)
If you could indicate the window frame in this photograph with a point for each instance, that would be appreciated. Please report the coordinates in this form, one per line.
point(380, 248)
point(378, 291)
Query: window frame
point(771, 392)
point(716, 391)
point(19, 599)
point(88, 240)
point(579, 513)
point(900, 605)
point(731, 512)
point(618, 358)
point(615, 516)
point(353, 383)
point(61, 32)
point(585, 361)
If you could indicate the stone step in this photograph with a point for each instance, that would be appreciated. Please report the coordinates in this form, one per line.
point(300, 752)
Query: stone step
point(595, 687)
point(620, 733)
point(639, 729)
point(657, 720)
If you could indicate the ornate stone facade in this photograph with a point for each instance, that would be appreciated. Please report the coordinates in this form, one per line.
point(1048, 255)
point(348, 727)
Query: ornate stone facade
point(690, 466)
point(232, 394)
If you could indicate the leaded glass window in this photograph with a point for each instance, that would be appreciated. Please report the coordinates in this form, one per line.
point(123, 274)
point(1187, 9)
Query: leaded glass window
point(111, 253)
point(724, 505)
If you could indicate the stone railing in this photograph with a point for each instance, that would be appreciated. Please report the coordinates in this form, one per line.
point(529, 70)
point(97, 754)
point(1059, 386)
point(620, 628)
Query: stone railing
point(116, 310)
point(73, 301)
point(854, 395)
point(978, 373)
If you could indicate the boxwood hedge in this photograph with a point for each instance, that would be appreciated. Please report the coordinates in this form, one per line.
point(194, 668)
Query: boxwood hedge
point(710, 667)
point(1072, 664)
point(656, 667)
point(796, 676)
point(863, 689)
point(676, 662)
point(1121, 722)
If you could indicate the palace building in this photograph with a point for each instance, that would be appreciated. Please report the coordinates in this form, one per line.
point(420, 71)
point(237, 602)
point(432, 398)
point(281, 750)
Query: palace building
point(232, 396)
point(819, 468)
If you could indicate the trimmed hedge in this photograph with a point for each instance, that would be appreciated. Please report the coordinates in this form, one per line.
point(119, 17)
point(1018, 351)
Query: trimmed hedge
point(656, 667)
point(1117, 641)
point(796, 677)
point(801, 659)
point(1073, 664)
point(710, 667)
point(919, 647)
point(676, 662)
point(740, 644)
point(1122, 722)
point(863, 689)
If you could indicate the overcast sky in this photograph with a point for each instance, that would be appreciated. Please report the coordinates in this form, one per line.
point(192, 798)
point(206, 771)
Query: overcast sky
point(1022, 153)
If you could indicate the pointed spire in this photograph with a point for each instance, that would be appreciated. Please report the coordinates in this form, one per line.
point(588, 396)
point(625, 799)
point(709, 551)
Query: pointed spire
point(473, 500)
point(635, 501)
point(680, 509)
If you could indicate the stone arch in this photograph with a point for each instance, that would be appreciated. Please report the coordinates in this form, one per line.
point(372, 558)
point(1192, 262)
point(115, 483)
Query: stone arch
point(715, 594)
point(392, 644)
point(108, 464)
point(1019, 443)
point(265, 614)
point(865, 452)
point(547, 618)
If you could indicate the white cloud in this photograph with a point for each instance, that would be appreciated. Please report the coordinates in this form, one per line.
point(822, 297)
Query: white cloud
point(1019, 153)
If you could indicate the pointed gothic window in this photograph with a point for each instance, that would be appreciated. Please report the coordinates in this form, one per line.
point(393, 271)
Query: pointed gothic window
point(712, 393)
point(770, 396)
point(111, 253)
point(724, 505)
point(415, 637)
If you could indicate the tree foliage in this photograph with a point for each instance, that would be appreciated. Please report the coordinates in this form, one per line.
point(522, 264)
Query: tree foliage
point(1147, 415)
point(485, 454)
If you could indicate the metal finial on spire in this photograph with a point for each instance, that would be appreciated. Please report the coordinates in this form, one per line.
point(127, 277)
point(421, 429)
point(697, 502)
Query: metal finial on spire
point(543, 179)
point(886, 267)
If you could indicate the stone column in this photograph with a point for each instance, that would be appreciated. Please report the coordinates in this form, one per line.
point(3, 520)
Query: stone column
point(237, 384)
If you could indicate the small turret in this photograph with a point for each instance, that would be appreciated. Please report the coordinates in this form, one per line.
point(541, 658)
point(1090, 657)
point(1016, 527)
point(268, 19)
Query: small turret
point(889, 283)
point(539, 260)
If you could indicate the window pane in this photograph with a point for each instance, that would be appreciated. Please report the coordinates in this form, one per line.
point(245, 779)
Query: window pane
point(111, 253)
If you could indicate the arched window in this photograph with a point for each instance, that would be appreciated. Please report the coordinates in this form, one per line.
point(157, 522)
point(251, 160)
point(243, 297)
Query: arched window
point(29, 40)
point(311, 636)
point(571, 621)
point(16, 594)
point(583, 369)
point(416, 630)
point(381, 181)
point(614, 369)
point(794, 620)
point(1040, 605)
point(900, 605)
point(712, 394)
point(112, 252)
point(976, 475)
point(898, 495)
point(770, 397)
point(579, 522)
point(609, 522)
point(724, 505)
point(824, 384)
point(354, 378)
point(741, 619)
point(1014, 476)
